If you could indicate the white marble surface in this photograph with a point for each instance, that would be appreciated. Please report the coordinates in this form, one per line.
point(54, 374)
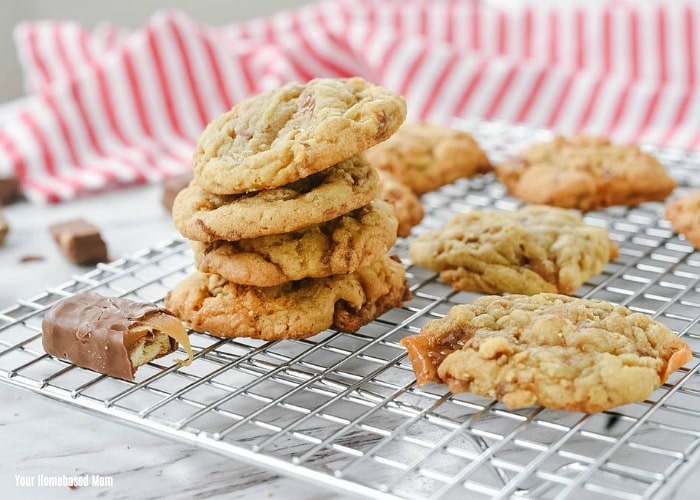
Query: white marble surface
point(42, 438)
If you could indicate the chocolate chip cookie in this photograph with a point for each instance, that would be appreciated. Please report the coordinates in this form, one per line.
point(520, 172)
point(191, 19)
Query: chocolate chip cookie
point(585, 172)
point(535, 249)
point(338, 246)
point(407, 206)
point(295, 309)
point(684, 215)
point(289, 133)
point(204, 216)
point(425, 157)
point(548, 349)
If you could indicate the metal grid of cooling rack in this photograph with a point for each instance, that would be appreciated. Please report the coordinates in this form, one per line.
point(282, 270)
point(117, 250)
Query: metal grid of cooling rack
point(343, 410)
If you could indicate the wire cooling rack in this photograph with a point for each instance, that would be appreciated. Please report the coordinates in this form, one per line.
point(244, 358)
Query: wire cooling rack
point(343, 410)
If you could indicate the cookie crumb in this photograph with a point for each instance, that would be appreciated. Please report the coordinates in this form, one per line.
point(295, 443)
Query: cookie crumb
point(30, 258)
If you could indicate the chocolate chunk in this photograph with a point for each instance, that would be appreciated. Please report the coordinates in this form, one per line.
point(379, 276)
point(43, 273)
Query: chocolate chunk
point(80, 241)
point(30, 258)
point(172, 186)
point(9, 189)
point(4, 228)
point(110, 335)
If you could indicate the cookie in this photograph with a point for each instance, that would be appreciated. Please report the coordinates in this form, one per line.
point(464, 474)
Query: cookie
point(532, 250)
point(585, 172)
point(425, 157)
point(338, 246)
point(553, 350)
point(296, 309)
point(289, 133)
point(684, 215)
point(203, 216)
point(407, 206)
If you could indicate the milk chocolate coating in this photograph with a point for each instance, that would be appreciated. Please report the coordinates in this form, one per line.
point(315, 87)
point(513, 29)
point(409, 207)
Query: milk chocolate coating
point(172, 186)
point(80, 241)
point(95, 332)
point(9, 189)
point(4, 228)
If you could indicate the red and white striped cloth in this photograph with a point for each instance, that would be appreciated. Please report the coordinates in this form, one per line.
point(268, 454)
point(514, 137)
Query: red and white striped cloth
point(110, 107)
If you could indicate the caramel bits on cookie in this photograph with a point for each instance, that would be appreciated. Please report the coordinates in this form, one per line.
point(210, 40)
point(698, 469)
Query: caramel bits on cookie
point(407, 206)
point(204, 216)
point(425, 157)
point(684, 215)
point(585, 172)
point(553, 350)
point(338, 246)
point(532, 250)
point(289, 133)
point(294, 309)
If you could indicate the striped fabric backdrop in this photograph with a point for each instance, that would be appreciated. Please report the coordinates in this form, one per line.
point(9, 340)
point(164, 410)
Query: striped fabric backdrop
point(110, 107)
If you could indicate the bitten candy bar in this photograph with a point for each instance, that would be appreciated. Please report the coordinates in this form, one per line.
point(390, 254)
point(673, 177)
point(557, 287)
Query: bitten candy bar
point(80, 241)
point(110, 335)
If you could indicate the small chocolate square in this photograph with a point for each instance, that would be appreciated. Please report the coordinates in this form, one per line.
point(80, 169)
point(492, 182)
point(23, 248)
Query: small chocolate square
point(80, 241)
point(9, 189)
point(172, 186)
point(4, 228)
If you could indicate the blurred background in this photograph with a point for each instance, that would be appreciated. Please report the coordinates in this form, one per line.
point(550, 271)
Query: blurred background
point(126, 13)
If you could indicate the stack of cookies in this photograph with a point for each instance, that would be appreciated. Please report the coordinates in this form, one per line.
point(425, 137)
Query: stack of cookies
point(288, 236)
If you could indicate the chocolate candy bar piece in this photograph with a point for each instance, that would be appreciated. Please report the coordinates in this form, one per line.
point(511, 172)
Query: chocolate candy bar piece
point(110, 335)
point(9, 189)
point(80, 241)
point(4, 228)
point(172, 186)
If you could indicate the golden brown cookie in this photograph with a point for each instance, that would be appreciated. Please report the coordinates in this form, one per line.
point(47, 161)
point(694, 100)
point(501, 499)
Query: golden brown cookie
point(684, 215)
point(553, 350)
point(535, 249)
point(585, 173)
point(203, 216)
point(289, 133)
point(296, 309)
point(425, 157)
point(407, 206)
point(338, 246)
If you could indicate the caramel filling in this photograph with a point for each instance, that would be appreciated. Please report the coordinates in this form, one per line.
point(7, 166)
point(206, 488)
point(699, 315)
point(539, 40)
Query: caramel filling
point(158, 329)
point(427, 353)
